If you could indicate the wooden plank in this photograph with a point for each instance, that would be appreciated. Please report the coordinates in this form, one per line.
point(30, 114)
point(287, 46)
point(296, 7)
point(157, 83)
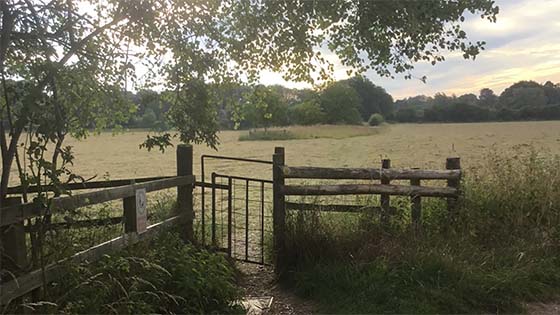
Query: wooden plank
point(369, 189)
point(12, 214)
point(34, 279)
point(366, 173)
point(89, 185)
point(329, 207)
point(106, 184)
point(78, 224)
point(185, 192)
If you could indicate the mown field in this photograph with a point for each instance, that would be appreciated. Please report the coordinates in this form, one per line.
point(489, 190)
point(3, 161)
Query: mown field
point(407, 145)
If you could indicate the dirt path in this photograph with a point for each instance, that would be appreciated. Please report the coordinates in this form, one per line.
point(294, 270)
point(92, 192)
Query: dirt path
point(259, 285)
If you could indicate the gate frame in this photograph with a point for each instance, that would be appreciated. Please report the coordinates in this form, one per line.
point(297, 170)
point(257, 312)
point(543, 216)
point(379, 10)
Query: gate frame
point(230, 178)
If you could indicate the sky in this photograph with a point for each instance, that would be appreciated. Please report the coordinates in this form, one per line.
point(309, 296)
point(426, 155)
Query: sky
point(524, 44)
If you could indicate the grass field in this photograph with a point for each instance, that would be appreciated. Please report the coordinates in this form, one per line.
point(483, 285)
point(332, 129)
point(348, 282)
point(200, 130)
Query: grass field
point(407, 145)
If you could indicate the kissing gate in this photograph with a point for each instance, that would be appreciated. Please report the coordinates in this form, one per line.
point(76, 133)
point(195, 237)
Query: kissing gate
point(245, 216)
point(236, 212)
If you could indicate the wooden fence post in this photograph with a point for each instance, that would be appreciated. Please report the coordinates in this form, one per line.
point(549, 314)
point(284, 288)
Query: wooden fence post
point(279, 209)
point(13, 243)
point(416, 210)
point(129, 213)
point(385, 199)
point(185, 193)
point(453, 163)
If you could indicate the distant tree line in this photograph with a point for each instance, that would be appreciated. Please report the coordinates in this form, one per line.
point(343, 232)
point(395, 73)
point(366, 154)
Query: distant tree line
point(524, 100)
point(353, 101)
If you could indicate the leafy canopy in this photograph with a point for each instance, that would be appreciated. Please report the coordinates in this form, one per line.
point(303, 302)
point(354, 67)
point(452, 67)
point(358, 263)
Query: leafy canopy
point(75, 58)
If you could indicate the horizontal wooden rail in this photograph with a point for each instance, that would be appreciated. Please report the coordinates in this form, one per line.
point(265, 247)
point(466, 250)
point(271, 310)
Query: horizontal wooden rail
point(105, 184)
point(77, 224)
point(18, 213)
point(89, 185)
point(34, 279)
point(329, 208)
point(367, 173)
point(369, 189)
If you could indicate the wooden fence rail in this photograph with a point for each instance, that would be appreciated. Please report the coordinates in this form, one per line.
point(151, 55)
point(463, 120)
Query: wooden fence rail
point(385, 174)
point(367, 173)
point(15, 214)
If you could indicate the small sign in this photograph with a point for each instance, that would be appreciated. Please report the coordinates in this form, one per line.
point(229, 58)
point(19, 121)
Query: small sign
point(141, 213)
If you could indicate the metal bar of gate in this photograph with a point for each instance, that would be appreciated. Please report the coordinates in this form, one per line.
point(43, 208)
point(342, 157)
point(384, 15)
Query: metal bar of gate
point(245, 178)
point(230, 210)
point(247, 219)
point(262, 222)
point(213, 209)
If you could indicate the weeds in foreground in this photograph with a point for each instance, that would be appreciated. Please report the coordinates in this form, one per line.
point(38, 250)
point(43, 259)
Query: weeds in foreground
point(501, 251)
point(163, 276)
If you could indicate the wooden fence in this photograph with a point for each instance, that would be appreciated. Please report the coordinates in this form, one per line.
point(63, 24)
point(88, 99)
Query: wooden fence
point(385, 174)
point(13, 231)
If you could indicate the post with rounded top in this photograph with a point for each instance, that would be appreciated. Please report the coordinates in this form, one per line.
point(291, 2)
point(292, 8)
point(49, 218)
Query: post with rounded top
point(279, 209)
point(185, 193)
point(453, 163)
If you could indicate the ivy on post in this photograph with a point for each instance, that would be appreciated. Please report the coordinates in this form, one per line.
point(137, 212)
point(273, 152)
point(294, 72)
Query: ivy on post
point(185, 193)
point(279, 209)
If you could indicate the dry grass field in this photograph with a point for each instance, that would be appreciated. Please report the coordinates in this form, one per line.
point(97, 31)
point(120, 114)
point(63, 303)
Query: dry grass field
point(407, 145)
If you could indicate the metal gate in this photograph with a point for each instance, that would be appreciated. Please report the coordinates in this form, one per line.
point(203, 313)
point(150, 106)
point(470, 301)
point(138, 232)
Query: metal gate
point(236, 213)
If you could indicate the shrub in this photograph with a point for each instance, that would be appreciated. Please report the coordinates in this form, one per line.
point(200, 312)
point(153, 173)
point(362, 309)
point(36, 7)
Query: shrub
point(306, 113)
point(375, 120)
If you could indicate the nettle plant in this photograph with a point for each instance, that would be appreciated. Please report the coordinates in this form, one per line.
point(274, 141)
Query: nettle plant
point(66, 65)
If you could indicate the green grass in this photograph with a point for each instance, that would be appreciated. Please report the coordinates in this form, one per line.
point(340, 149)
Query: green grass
point(501, 251)
point(162, 276)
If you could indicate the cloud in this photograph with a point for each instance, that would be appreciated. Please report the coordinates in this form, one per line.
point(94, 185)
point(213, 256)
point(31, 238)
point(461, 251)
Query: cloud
point(522, 45)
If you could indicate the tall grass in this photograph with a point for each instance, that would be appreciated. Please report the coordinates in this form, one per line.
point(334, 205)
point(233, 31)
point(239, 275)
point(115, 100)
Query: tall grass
point(502, 249)
point(162, 276)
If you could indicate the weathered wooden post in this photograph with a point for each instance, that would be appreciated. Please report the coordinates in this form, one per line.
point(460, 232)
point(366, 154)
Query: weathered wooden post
point(129, 213)
point(453, 163)
point(185, 192)
point(14, 256)
point(12, 245)
point(279, 209)
point(416, 210)
point(385, 199)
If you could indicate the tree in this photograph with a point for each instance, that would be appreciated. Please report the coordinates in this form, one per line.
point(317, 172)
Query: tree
point(523, 93)
point(487, 98)
point(340, 103)
point(469, 99)
point(373, 98)
point(552, 92)
point(265, 107)
point(307, 113)
point(73, 62)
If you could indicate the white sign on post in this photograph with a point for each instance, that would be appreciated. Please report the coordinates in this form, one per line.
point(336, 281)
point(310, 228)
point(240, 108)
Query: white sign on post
point(141, 213)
